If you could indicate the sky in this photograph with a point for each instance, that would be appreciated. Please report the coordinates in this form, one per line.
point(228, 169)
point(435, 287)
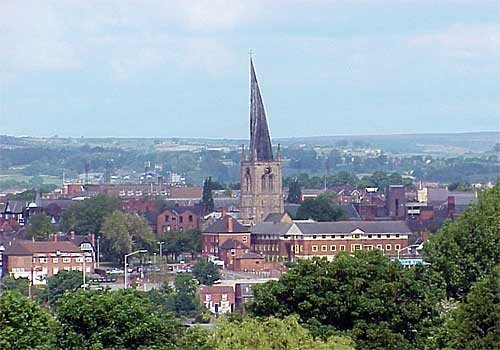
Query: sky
point(157, 68)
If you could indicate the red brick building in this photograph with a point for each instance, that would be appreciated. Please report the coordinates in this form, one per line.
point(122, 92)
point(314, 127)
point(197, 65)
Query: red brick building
point(226, 239)
point(218, 299)
point(38, 261)
point(298, 239)
point(179, 218)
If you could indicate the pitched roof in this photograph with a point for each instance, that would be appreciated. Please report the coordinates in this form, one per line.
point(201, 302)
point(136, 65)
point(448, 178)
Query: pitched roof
point(250, 256)
point(349, 226)
point(278, 217)
point(270, 227)
point(260, 141)
point(15, 206)
point(29, 248)
point(233, 244)
point(179, 209)
point(215, 289)
point(223, 226)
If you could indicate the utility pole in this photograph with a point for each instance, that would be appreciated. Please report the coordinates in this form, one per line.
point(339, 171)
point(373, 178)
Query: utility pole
point(161, 243)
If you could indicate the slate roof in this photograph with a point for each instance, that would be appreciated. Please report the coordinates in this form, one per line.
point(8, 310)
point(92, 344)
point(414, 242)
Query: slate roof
point(179, 209)
point(233, 244)
point(221, 226)
point(216, 289)
point(349, 226)
point(265, 228)
point(15, 206)
point(250, 256)
point(28, 248)
point(260, 141)
point(276, 217)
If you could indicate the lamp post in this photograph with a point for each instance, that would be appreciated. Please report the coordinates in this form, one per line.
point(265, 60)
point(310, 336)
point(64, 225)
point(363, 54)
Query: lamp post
point(125, 264)
point(161, 250)
point(98, 252)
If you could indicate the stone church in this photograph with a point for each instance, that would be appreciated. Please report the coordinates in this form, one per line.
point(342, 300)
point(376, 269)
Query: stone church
point(260, 174)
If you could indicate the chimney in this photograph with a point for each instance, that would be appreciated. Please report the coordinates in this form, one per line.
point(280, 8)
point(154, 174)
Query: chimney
point(72, 234)
point(223, 212)
point(451, 205)
point(229, 223)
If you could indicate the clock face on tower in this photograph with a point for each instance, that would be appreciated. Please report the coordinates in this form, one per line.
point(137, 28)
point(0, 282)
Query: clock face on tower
point(267, 170)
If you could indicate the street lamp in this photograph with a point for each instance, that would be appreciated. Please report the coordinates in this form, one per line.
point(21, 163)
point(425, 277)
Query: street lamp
point(125, 264)
point(161, 250)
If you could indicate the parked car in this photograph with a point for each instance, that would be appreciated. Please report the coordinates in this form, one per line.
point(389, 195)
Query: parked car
point(114, 271)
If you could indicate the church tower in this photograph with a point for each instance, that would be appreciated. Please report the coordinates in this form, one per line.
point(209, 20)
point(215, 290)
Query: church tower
point(260, 173)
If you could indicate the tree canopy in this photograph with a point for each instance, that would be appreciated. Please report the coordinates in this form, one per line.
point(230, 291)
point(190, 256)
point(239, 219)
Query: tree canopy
point(123, 233)
point(207, 198)
point(319, 209)
point(124, 319)
point(294, 192)
point(377, 302)
point(24, 325)
point(468, 248)
point(206, 272)
point(88, 215)
point(39, 227)
point(61, 282)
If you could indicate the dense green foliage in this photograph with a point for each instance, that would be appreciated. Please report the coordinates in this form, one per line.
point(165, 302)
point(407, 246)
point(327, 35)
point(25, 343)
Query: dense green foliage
point(261, 334)
point(475, 324)
point(468, 248)
point(88, 215)
point(207, 199)
point(20, 285)
point(24, 325)
point(61, 282)
point(294, 192)
point(378, 303)
point(39, 227)
point(177, 242)
point(122, 233)
point(113, 320)
point(319, 209)
point(206, 272)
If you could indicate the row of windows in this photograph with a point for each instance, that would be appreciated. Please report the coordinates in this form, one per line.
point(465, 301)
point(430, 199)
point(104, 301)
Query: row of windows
point(181, 218)
point(140, 193)
point(266, 247)
point(354, 247)
point(64, 260)
point(353, 236)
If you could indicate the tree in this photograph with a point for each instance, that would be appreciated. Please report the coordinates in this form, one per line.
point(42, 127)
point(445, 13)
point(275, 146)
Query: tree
point(19, 284)
point(61, 282)
point(207, 200)
point(379, 303)
point(39, 227)
point(186, 302)
point(124, 319)
point(468, 248)
point(260, 334)
point(474, 324)
point(177, 242)
point(319, 209)
point(124, 232)
point(24, 325)
point(88, 215)
point(294, 193)
point(206, 272)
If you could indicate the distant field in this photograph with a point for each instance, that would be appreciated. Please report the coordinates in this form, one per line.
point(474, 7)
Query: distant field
point(47, 179)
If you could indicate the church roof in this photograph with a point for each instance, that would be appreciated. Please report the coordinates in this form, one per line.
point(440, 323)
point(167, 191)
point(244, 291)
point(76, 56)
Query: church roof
point(260, 141)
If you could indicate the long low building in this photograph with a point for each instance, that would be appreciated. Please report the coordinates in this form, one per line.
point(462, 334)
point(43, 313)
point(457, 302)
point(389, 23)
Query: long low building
point(280, 237)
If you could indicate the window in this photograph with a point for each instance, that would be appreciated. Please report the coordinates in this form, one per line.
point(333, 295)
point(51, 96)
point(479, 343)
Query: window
point(388, 247)
point(324, 248)
point(66, 260)
point(342, 248)
point(314, 248)
point(356, 235)
point(333, 248)
point(224, 297)
point(79, 259)
point(88, 259)
point(244, 238)
point(314, 236)
point(233, 252)
point(355, 247)
point(388, 236)
point(369, 247)
point(323, 236)
point(369, 236)
point(379, 236)
point(181, 219)
point(341, 236)
point(190, 218)
point(397, 246)
point(397, 235)
point(379, 246)
point(167, 217)
point(55, 260)
point(43, 260)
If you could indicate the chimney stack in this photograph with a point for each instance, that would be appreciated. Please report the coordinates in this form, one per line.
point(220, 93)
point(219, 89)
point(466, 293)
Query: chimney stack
point(229, 223)
point(451, 206)
point(72, 234)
